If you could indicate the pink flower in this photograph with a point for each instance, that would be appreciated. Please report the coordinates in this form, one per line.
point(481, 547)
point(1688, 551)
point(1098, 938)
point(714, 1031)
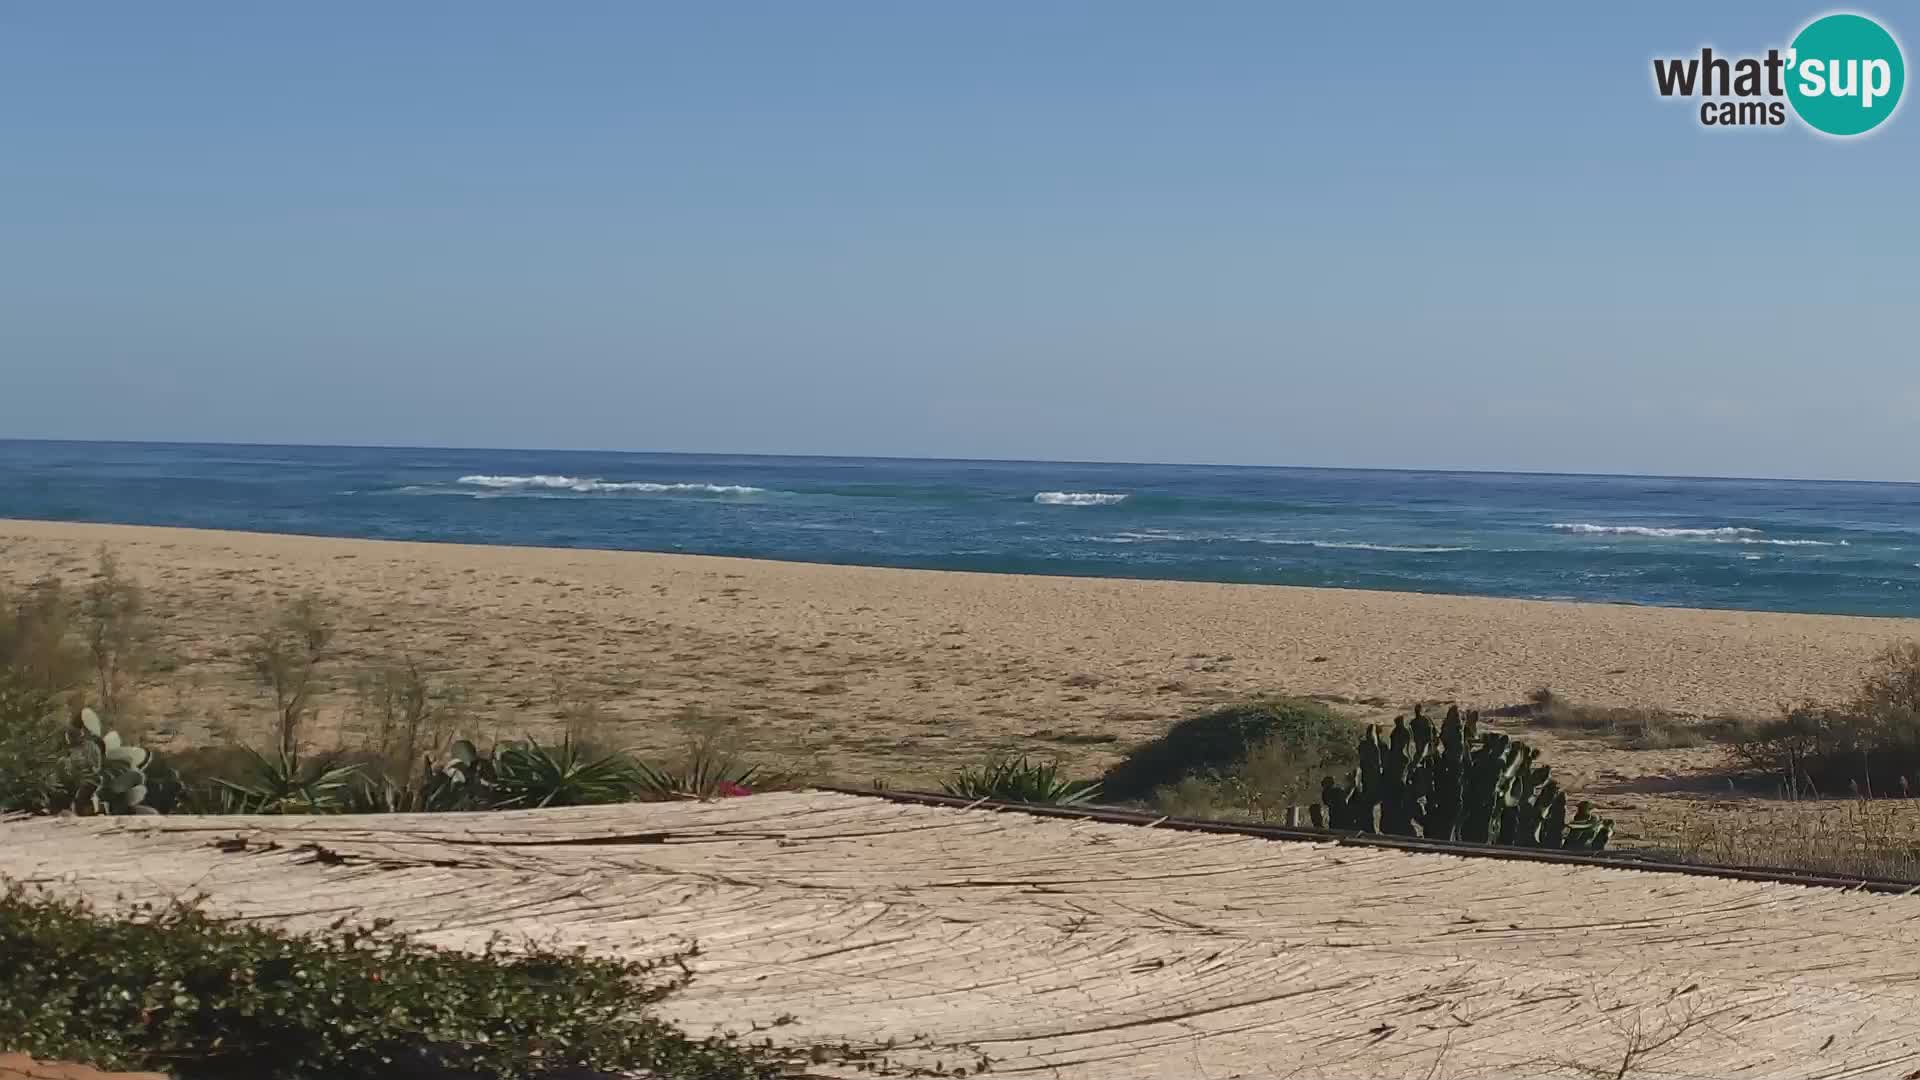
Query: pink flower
point(727, 789)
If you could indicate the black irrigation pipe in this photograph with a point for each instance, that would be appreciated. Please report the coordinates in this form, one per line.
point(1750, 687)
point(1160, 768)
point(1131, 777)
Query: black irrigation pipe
point(1117, 816)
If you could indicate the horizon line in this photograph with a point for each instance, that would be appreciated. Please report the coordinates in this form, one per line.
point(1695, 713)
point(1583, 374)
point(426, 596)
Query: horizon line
point(961, 460)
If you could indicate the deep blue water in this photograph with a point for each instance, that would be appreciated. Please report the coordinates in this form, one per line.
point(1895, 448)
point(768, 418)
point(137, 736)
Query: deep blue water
point(1760, 544)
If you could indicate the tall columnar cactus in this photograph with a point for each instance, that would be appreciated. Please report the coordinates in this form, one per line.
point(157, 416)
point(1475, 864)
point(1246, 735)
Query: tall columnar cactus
point(1445, 786)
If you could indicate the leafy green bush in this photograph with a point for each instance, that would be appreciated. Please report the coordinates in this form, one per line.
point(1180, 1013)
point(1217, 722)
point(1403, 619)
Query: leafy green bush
point(1020, 780)
point(176, 990)
point(33, 747)
point(1278, 749)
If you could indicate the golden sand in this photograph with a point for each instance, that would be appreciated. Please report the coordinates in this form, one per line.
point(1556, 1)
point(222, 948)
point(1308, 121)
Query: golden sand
point(863, 672)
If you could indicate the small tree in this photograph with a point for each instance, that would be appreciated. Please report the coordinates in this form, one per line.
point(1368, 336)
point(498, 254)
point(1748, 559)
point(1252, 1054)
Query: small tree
point(285, 658)
point(408, 718)
point(118, 631)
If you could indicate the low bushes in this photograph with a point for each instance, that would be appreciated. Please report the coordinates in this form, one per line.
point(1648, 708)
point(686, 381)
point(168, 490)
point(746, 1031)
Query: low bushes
point(1869, 745)
point(176, 990)
point(1633, 727)
point(1279, 744)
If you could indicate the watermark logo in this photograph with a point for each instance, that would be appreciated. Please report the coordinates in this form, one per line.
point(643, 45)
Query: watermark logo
point(1842, 75)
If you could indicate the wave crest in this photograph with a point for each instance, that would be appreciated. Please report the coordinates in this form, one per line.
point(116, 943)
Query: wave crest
point(1079, 498)
point(1584, 528)
point(547, 482)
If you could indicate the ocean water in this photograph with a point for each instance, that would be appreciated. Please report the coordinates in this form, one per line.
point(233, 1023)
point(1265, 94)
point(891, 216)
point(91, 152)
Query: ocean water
point(1769, 545)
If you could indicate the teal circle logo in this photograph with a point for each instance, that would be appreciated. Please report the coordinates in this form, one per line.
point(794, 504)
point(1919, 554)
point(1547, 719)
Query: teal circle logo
point(1845, 74)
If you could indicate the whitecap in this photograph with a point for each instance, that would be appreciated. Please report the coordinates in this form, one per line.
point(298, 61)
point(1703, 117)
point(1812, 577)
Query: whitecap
point(1079, 498)
point(1586, 528)
point(543, 481)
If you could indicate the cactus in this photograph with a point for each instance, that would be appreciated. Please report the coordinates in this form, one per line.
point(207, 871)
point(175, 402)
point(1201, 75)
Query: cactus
point(110, 774)
point(1441, 784)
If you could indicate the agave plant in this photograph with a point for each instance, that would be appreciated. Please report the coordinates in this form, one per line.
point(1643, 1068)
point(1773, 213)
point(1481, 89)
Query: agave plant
point(1012, 779)
point(529, 774)
point(708, 770)
point(283, 784)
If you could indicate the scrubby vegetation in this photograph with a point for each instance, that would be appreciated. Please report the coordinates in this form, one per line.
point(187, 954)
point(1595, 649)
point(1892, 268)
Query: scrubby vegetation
point(1857, 837)
point(1254, 757)
point(1632, 727)
point(1869, 745)
point(60, 649)
point(176, 990)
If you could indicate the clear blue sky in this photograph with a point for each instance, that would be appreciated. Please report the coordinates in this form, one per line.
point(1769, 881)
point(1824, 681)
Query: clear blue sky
point(1394, 235)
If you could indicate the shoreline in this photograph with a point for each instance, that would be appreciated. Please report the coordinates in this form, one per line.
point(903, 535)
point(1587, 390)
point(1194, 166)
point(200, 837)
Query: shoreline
point(893, 567)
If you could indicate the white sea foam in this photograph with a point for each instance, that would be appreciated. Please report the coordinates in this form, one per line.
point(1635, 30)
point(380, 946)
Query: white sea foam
point(1356, 545)
point(1724, 534)
point(1645, 530)
point(574, 483)
point(1079, 498)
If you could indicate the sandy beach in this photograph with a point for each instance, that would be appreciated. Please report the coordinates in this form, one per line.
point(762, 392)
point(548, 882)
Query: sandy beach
point(860, 672)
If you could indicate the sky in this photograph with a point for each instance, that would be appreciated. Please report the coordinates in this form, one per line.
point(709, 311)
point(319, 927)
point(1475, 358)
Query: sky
point(1395, 235)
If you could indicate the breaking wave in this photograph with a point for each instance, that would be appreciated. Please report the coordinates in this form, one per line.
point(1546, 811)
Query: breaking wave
point(1079, 498)
point(1356, 545)
point(1645, 530)
point(585, 486)
point(1724, 534)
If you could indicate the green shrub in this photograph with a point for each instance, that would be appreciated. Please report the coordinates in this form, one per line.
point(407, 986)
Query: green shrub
point(1274, 747)
point(176, 990)
point(33, 746)
point(1018, 779)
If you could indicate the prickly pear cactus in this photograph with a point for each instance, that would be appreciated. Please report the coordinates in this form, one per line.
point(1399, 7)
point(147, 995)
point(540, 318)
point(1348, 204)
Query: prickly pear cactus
point(1443, 784)
point(110, 775)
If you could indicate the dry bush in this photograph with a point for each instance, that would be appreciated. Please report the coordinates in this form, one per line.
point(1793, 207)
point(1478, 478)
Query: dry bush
point(583, 714)
point(1633, 727)
point(1859, 838)
point(38, 646)
point(285, 657)
point(1869, 745)
point(407, 715)
point(118, 631)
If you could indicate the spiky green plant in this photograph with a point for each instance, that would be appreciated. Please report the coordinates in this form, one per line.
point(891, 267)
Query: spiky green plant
point(283, 784)
point(708, 769)
point(532, 774)
point(1443, 785)
point(1018, 779)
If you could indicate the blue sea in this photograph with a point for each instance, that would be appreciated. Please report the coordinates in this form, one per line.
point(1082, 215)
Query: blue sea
point(1770, 545)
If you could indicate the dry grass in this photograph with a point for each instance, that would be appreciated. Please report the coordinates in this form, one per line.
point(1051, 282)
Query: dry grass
point(1863, 838)
point(1632, 727)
